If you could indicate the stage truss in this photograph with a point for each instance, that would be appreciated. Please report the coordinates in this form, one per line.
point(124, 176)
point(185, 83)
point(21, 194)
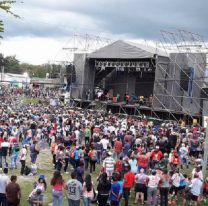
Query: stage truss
point(192, 45)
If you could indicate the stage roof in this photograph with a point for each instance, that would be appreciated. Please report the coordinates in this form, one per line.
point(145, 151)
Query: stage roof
point(126, 50)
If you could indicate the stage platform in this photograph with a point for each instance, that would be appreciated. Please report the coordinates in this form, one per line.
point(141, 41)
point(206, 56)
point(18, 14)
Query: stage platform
point(134, 109)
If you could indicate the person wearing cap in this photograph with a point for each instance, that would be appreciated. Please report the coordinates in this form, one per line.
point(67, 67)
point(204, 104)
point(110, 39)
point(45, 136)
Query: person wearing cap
point(156, 156)
point(13, 192)
point(108, 164)
point(42, 185)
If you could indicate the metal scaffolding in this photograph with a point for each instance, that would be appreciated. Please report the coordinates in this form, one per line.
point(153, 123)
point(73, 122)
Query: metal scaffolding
point(168, 91)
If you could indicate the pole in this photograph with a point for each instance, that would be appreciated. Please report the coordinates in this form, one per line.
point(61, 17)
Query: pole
point(205, 152)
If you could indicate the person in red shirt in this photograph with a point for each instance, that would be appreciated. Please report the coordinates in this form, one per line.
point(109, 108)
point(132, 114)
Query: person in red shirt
point(118, 165)
point(128, 183)
point(205, 188)
point(118, 146)
point(143, 161)
point(156, 156)
point(175, 160)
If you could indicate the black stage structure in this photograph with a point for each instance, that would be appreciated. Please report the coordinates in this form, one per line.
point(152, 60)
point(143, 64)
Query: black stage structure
point(137, 70)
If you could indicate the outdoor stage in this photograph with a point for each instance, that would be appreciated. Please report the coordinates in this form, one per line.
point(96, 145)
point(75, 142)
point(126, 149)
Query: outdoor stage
point(134, 110)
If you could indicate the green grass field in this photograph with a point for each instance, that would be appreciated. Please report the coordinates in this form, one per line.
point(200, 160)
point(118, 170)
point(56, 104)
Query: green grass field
point(45, 167)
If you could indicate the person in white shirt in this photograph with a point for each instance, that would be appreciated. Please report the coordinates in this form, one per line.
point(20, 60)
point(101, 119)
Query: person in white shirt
point(152, 185)
point(4, 181)
point(195, 190)
point(198, 171)
point(4, 151)
point(105, 142)
point(175, 179)
point(23, 156)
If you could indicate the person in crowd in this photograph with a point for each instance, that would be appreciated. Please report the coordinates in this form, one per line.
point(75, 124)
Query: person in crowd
point(4, 181)
point(140, 186)
point(13, 192)
point(14, 155)
point(175, 184)
point(59, 158)
point(34, 151)
point(5, 146)
point(80, 172)
point(58, 185)
point(34, 198)
point(183, 151)
point(87, 133)
point(103, 189)
point(143, 161)
point(195, 190)
point(23, 157)
point(93, 159)
point(152, 186)
point(118, 146)
point(156, 156)
point(128, 183)
point(164, 186)
point(42, 185)
point(133, 164)
point(108, 164)
point(66, 159)
point(74, 190)
point(88, 190)
point(115, 195)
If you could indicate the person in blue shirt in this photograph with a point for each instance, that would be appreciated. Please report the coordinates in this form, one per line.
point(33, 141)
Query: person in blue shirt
point(77, 157)
point(115, 191)
point(126, 148)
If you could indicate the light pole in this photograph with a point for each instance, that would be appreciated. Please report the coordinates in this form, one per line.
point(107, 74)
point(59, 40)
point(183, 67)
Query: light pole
point(25, 74)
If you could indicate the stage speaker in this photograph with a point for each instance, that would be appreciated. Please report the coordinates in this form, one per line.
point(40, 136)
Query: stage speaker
point(184, 81)
point(70, 74)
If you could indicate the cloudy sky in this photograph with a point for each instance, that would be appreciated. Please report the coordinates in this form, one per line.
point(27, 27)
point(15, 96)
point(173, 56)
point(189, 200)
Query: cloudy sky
point(46, 26)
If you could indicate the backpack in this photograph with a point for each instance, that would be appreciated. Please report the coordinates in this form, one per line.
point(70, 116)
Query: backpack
point(27, 170)
point(17, 147)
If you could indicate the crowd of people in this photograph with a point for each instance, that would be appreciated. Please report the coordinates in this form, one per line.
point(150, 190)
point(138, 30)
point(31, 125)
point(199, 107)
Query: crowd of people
point(109, 157)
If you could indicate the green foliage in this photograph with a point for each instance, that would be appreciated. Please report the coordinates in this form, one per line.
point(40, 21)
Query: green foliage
point(12, 65)
point(6, 7)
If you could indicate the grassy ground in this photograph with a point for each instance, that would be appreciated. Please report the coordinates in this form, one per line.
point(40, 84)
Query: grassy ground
point(45, 167)
point(28, 100)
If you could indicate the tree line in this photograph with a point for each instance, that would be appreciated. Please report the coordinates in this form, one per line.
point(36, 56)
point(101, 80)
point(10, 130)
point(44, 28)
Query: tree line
point(12, 65)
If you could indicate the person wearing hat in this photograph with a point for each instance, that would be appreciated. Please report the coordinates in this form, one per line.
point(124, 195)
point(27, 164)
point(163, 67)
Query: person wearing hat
point(42, 185)
point(156, 156)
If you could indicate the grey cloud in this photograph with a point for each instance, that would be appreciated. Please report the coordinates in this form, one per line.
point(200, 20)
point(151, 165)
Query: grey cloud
point(135, 18)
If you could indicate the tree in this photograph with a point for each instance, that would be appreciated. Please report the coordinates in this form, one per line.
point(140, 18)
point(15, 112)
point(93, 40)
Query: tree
point(6, 7)
point(11, 65)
